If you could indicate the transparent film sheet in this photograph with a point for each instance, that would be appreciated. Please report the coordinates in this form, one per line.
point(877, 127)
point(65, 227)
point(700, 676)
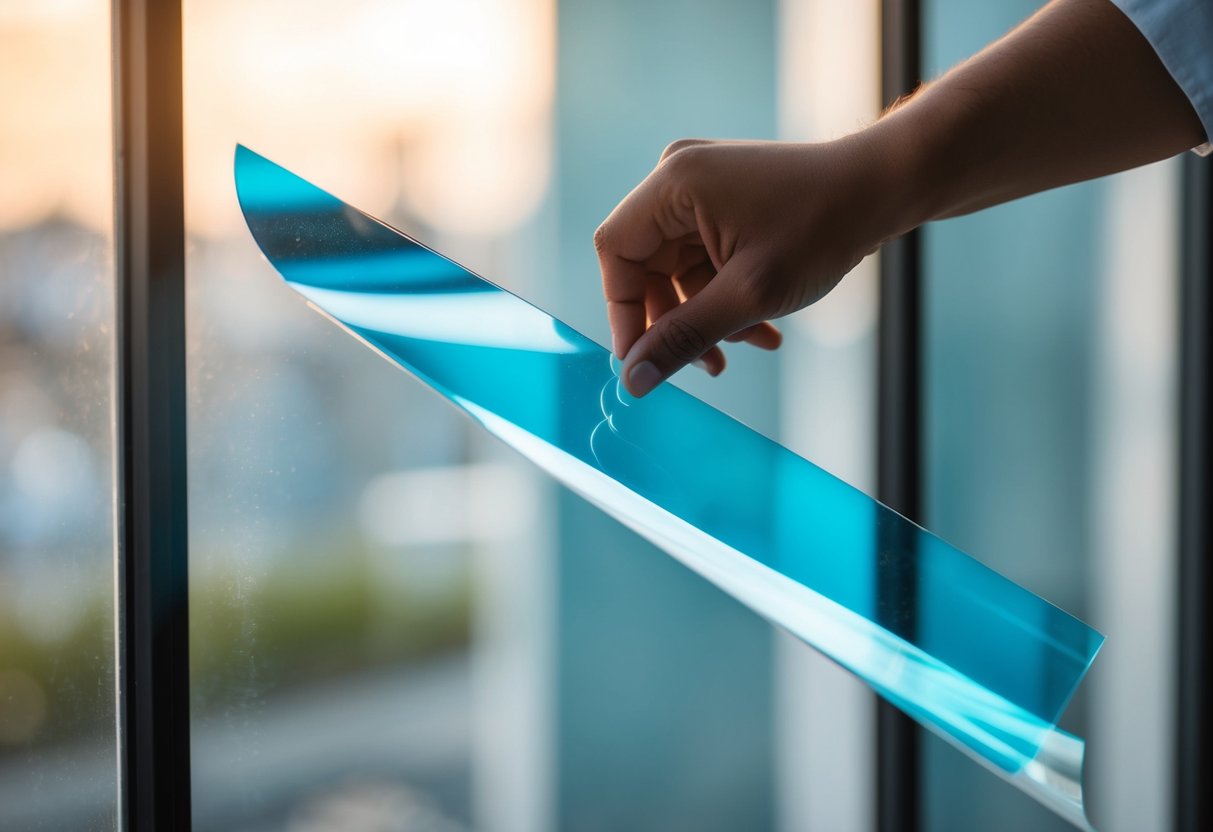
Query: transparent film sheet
point(962, 650)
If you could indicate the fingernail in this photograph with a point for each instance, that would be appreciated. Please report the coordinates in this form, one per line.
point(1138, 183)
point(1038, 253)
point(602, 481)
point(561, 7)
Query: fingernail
point(644, 377)
point(701, 364)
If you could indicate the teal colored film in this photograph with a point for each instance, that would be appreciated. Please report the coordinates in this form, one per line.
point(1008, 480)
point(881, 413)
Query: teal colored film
point(956, 646)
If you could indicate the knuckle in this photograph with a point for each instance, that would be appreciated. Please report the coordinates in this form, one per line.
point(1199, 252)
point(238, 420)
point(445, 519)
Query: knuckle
point(683, 165)
point(683, 155)
point(682, 341)
point(678, 179)
point(600, 238)
point(680, 145)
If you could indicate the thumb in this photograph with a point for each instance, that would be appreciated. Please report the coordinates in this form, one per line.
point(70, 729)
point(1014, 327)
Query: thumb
point(689, 330)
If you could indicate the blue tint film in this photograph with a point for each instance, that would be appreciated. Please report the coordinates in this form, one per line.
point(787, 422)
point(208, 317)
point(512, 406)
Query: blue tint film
point(959, 648)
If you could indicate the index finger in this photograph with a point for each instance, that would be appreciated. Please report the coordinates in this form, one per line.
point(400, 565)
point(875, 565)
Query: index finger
point(626, 238)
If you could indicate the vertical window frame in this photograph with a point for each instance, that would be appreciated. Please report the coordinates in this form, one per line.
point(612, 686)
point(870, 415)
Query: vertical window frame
point(1193, 727)
point(152, 642)
point(899, 428)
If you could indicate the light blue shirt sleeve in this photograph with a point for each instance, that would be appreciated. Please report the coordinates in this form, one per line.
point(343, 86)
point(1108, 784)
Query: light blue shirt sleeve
point(1181, 32)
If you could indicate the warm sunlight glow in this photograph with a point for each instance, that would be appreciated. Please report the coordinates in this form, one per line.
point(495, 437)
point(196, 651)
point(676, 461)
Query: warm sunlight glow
point(55, 100)
point(448, 101)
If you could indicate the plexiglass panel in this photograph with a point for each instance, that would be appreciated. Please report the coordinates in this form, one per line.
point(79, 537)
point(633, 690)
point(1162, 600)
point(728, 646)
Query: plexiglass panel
point(986, 663)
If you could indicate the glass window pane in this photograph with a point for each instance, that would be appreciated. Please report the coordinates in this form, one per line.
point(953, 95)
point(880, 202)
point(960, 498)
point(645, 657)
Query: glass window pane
point(58, 757)
point(665, 689)
point(370, 639)
point(366, 619)
point(1050, 416)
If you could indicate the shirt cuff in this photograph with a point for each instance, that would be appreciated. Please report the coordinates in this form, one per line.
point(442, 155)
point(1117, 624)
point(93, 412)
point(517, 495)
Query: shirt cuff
point(1181, 32)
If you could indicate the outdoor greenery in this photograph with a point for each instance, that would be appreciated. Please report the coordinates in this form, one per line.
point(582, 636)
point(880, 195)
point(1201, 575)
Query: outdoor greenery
point(250, 636)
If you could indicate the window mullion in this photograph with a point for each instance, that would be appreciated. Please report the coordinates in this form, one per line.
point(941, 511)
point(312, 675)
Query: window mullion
point(153, 620)
point(899, 433)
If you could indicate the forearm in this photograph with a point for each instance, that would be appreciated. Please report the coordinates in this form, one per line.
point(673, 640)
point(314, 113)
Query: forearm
point(723, 237)
point(1074, 93)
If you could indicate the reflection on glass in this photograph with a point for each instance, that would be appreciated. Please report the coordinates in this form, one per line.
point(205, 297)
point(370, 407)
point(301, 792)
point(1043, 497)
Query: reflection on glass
point(969, 653)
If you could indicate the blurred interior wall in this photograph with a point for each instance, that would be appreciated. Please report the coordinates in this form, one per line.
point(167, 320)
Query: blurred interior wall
point(1132, 515)
point(829, 85)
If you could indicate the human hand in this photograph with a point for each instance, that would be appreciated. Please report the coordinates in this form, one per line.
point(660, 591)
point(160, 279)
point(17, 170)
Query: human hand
point(723, 237)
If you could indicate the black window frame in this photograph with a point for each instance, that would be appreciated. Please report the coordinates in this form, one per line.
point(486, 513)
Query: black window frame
point(899, 428)
point(1193, 728)
point(152, 644)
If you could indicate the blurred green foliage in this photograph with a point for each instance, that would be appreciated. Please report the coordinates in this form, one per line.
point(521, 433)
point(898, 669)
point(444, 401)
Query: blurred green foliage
point(301, 621)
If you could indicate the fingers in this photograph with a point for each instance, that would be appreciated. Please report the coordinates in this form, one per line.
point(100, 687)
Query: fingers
point(624, 241)
point(652, 235)
point(762, 335)
point(712, 362)
point(688, 331)
point(681, 144)
point(660, 298)
point(623, 283)
point(765, 336)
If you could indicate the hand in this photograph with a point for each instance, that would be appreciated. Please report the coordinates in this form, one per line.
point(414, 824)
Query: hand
point(721, 238)
point(724, 236)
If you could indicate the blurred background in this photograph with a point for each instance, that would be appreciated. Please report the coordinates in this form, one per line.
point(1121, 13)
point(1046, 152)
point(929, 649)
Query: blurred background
point(396, 625)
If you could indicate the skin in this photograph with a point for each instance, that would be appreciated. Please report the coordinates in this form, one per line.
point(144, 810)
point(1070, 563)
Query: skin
point(723, 237)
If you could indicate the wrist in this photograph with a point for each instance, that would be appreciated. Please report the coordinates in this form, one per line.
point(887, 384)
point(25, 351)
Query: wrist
point(893, 182)
point(920, 158)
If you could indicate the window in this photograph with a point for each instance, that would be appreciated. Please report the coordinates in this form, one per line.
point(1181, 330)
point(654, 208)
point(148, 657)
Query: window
point(393, 623)
point(1050, 401)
